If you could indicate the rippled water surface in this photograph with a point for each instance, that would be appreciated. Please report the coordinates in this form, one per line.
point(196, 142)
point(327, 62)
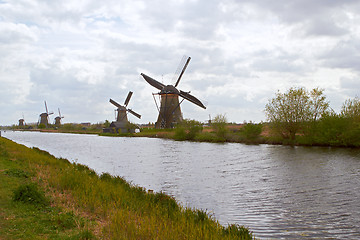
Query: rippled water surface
point(279, 192)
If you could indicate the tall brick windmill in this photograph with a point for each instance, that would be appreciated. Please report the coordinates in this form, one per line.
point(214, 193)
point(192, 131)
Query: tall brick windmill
point(58, 119)
point(44, 117)
point(122, 122)
point(170, 112)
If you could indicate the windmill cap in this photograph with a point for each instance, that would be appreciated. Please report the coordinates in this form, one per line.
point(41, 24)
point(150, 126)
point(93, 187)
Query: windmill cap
point(169, 89)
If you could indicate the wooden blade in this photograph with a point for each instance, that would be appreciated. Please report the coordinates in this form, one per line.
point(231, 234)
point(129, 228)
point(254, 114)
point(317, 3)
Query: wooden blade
point(46, 107)
point(153, 82)
point(134, 113)
point(191, 98)
point(115, 103)
point(128, 98)
point(183, 70)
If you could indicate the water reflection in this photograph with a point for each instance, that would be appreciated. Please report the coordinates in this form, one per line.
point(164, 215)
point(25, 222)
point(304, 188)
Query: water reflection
point(279, 192)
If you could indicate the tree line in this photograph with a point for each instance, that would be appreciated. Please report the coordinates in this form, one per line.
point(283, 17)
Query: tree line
point(304, 117)
point(295, 117)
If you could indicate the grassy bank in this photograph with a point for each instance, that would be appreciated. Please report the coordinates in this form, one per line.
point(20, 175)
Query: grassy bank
point(43, 197)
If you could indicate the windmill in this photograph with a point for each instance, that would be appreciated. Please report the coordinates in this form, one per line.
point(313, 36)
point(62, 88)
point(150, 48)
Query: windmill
point(58, 119)
point(122, 121)
point(22, 121)
point(170, 112)
point(44, 117)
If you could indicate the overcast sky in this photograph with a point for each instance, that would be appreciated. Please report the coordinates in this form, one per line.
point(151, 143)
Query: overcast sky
point(78, 54)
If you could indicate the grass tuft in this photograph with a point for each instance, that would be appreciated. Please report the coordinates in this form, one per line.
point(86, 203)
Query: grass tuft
point(239, 231)
point(30, 193)
point(15, 172)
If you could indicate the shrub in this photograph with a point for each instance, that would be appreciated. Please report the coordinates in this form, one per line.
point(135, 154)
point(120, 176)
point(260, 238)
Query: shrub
point(167, 203)
point(106, 177)
point(66, 220)
point(180, 134)
point(238, 231)
point(17, 173)
point(209, 137)
point(187, 130)
point(251, 131)
point(29, 193)
point(83, 235)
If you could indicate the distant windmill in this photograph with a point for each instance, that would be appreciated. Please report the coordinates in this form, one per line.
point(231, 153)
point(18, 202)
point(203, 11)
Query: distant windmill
point(122, 121)
point(170, 112)
point(58, 119)
point(22, 121)
point(44, 117)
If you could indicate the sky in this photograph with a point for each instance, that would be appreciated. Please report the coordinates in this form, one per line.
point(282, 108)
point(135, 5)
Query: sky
point(76, 55)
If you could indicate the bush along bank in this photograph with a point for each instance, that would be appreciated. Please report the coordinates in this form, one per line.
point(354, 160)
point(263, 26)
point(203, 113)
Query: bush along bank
point(45, 197)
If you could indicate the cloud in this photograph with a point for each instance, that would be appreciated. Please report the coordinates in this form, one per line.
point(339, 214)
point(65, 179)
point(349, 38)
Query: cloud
point(78, 54)
point(351, 86)
point(345, 54)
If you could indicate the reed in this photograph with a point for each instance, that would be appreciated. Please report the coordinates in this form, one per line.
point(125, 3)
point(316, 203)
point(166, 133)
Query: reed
point(110, 207)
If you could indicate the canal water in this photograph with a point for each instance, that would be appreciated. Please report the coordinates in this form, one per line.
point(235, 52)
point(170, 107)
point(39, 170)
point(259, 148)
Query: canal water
point(279, 192)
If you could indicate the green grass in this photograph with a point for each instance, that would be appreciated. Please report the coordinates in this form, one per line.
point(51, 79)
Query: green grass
point(26, 212)
point(61, 200)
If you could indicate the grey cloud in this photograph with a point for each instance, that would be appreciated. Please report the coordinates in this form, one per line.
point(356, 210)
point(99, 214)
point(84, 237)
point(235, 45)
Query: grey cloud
point(196, 19)
point(277, 61)
point(322, 27)
point(314, 18)
point(351, 86)
point(344, 55)
point(298, 10)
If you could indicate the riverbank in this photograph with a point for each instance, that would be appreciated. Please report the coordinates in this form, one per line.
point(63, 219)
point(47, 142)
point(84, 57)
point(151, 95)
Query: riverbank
point(65, 200)
point(248, 133)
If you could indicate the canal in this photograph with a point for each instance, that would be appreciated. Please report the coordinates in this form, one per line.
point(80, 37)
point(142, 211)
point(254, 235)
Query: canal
point(279, 192)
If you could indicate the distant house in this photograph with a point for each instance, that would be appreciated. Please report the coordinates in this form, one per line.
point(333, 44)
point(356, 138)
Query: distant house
point(86, 124)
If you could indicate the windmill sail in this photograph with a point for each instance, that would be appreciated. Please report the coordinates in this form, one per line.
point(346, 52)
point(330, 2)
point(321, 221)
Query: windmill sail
point(115, 103)
point(153, 82)
point(134, 113)
point(191, 98)
point(46, 108)
point(183, 70)
point(128, 98)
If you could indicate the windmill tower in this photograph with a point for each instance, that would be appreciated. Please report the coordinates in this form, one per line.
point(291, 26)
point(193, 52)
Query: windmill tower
point(122, 121)
point(58, 119)
point(22, 121)
point(170, 112)
point(44, 117)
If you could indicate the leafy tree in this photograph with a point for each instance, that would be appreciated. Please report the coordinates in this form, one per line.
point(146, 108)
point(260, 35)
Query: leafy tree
point(318, 104)
point(351, 109)
point(219, 126)
point(291, 112)
point(106, 124)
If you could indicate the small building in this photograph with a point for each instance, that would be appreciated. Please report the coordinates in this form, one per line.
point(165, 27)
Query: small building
point(120, 127)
